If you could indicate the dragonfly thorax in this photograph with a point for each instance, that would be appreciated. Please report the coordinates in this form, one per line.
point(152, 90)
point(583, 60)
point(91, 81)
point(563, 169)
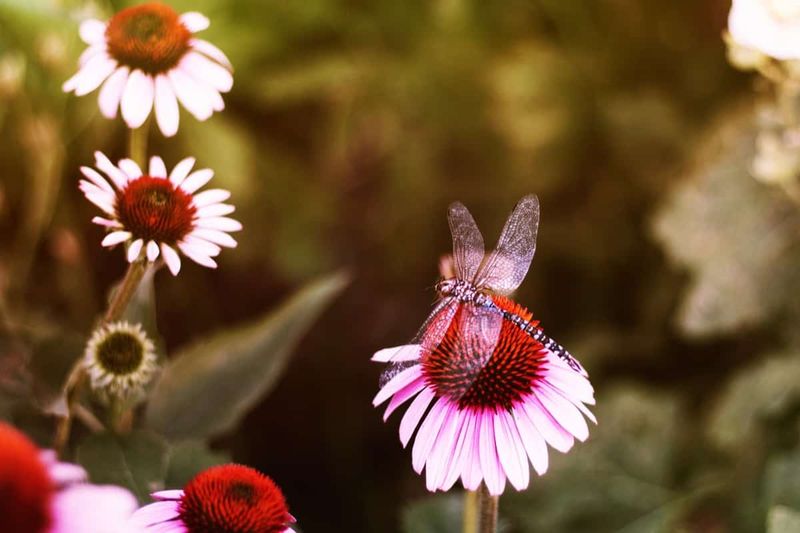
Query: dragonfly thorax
point(463, 291)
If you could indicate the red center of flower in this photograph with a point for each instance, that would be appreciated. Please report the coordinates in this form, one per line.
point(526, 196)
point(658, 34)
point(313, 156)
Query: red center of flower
point(150, 37)
point(154, 209)
point(233, 499)
point(25, 486)
point(472, 375)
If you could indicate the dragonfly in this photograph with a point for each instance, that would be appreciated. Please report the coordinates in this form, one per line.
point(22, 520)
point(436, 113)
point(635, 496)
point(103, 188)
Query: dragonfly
point(473, 296)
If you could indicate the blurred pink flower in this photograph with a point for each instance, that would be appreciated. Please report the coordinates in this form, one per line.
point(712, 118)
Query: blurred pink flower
point(42, 495)
point(157, 213)
point(488, 417)
point(771, 27)
point(222, 498)
point(147, 57)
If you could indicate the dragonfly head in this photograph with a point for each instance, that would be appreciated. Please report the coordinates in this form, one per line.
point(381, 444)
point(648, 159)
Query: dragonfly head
point(447, 287)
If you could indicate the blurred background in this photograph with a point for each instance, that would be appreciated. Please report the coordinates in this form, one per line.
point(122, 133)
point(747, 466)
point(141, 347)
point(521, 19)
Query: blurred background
point(661, 263)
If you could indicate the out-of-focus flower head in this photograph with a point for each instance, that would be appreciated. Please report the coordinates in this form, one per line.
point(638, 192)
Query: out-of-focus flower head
point(121, 361)
point(769, 27)
point(229, 497)
point(41, 495)
point(158, 213)
point(147, 57)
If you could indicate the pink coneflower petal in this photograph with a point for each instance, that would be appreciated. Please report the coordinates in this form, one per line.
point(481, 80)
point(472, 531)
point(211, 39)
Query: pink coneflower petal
point(157, 168)
point(154, 514)
point(166, 104)
point(490, 463)
point(134, 250)
point(511, 451)
point(219, 223)
point(460, 450)
point(396, 383)
point(92, 31)
point(111, 93)
point(137, 98)
point(403, 395)
point(90, 52)
point(203, 247)
point(427, 433)
point(533, 442)
point(152, 251)
point(191, 95)
point(130, 167)
point(204, 70)
point(195, 21)
point(196, 256)
point(555, 435)
point(442, 449)
point(409, 352)
point(106, 222)
point(116, 237)
point(170, 494)
point(180, 172)
point(97, 179)
point(91, 75)
point(171, 258)
point(92, 509)
point(211, 196)
point(217, 237)
point(197, 179)
point(215, 210)
point(567, 414)
point(211, 51)
point(471, 474)
point(119, 178)
point(414, 414)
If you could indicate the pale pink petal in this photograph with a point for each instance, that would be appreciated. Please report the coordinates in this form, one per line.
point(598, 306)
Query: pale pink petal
point(90, 52)
point(219, 223)
point(206, 71)
point(97, 179)
point(441, 454)
point(532, 440)
point(166, 104)
point(117, 176)
point(91, 75)
point(116, 237)
point(198, 258)
point(181, 170)
point(562, 410)
point(137, 98)
point(490, 463)
point(65, 473)
point(130, 167)
point(89, 508)
point(211, 196)
point(101, 200)
point(202, 246)
point(510, 450)
point(171, 258)
point(571, 383)
point(215, 210)
point(217, 237)
point(88, 187)
point(413, 415)
point(197, 179)
point(555, 435)
point(211, 51)
point(170, 494)
point(456, 464)
point(111, 93)
point(396, 383)
point(195, 21)
point(107, 222)
point(426, 436)
point(403, 395)
point(407, 352)
point(157, 167)
point(92, 31)
point(471, 475)
point(155, 513)
point(152, 251)
point(193, 97)
point(134, 250)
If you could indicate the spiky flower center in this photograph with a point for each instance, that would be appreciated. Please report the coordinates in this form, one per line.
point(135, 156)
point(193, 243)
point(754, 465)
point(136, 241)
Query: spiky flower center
point(150, 37)
point(472, 374)
point(233, 499)
point(154, 209)
point(121, 353)
point(25, 486)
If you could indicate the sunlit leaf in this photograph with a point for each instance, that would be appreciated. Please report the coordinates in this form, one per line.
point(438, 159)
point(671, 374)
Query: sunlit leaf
point(206, 389)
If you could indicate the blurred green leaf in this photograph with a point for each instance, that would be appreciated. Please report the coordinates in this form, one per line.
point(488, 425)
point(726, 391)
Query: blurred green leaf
point(436, 514)
point(189, 458)
point(783, 520)
point(782, 480)
point(735, 235)
point(137, 461)
point(764, 391)
point(206, 389)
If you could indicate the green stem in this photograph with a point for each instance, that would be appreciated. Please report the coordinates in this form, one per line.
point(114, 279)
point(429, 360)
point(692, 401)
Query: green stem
point(125, 291)
point(470, 524)
point(488, 510)
point(137, 144)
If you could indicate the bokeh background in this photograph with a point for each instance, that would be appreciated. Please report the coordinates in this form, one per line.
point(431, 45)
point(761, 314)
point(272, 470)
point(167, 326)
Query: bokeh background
point(661, 263)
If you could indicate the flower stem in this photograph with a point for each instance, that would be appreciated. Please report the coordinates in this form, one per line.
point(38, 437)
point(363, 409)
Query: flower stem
point(125, 291)
point(488, 510)
point(137, 143)
point(470, 524)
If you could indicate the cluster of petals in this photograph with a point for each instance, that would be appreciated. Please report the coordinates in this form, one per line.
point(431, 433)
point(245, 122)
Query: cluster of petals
point(771, 27)
point(146, 57)
point(483, 443)
point(43, 495)
point(159, 213)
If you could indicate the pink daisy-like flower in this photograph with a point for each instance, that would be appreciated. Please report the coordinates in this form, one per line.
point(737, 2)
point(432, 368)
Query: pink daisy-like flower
point(157, 213)
point(147, 57)
point(222, 499)
point(484, 420)
point(38, 494)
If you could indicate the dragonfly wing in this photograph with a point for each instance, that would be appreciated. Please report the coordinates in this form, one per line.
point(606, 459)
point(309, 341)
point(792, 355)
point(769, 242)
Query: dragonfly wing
point(468, 249)
point(478, 332)
point(507, 265)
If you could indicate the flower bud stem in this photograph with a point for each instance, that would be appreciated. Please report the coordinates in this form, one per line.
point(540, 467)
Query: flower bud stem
point(488, 510)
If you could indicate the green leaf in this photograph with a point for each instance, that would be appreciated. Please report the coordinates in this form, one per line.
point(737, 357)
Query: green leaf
point(782, 519)
point(189, 458)
point(782, 480)
point(206, 389)
point(437, 514)
point(137, 461)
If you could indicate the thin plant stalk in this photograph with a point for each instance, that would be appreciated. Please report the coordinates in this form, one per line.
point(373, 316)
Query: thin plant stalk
point(137, 144)
point(470, 524)
point(488, 510)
